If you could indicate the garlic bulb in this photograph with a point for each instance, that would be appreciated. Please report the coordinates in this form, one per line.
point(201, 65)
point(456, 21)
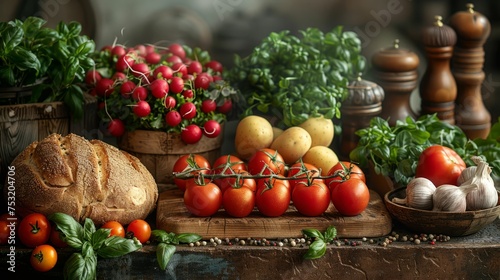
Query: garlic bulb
point(450, 198)
point(486, 195)
point(419, 193)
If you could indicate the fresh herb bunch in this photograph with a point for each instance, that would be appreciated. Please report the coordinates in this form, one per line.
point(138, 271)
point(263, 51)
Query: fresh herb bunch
point(54, 61)
point(166, 244)
point(89, 244)
point(293, 78)
point(317, 249)
point(166, 78)
point(394, 150)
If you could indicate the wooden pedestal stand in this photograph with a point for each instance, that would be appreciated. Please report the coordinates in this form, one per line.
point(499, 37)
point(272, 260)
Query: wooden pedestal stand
point(472, 30)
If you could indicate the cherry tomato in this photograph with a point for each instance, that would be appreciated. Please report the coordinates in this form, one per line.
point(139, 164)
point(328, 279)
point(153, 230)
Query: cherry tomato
point(139, 229)
point(202, 200)
point(34, 230)
point(266, 161)
point(343, 171)
point(8, 224)
point(440, 164)
point(350, 197)
point(190, 161)
point(311, 199)
point(56, 238)
point(43, 258)
point(115, 227)
point(272, 197)
point(238, 202)
point(302, 170)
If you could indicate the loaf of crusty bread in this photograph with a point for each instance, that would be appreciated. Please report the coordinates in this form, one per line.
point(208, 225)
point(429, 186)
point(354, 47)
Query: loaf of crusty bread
point(85, 179)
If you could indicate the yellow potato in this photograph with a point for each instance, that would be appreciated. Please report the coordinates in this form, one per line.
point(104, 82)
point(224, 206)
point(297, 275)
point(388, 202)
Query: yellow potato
point(322, 157)
point(320, 129)
point(252, 134)
point(292, 144)
point(276, 132)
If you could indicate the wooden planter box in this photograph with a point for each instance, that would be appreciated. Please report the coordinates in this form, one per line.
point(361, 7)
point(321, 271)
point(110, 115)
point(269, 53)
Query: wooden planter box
point(21, 125)
point(158, 151)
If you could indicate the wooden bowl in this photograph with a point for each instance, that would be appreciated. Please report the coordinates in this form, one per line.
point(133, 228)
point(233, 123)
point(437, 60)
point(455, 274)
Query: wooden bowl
point(447, 223)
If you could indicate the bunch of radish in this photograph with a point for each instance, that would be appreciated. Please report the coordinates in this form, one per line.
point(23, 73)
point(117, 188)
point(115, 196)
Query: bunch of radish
point(175, 89)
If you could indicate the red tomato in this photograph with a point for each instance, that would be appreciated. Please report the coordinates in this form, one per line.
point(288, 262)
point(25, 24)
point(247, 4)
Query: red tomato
point(231, 182)
point(440, 164)
point(55, 238)
point(4, 232)
point(343, 171)
point(34, 230)
point(302, 170)
point(202, 200)
point(238, 202)
point(311, 199)
point(186, 162)
point(266, 161)
point(350, 197)
point(272, 197)
point(227, 164)
point(43, 258)
point(139, 229)
point(115, 227)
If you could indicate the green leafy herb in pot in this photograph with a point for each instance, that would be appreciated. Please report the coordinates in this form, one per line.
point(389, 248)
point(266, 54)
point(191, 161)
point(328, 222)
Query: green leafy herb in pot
point(293, 78)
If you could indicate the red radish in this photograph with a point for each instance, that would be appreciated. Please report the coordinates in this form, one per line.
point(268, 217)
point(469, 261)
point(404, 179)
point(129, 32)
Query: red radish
point(178, 50)
point(170, 102)
point(225, 107)
point(180, 68)
point(208, 105)
point(119, 76)
point(215, 66)
point(195, 67)
point(216, 78)
point(191, 134)
point(202, 81)
point(92, 77)
point(140, 49)
point(188, 77)
point(153, 58)
point(127, 88)
point(116, 127)
point(140, 69)
point(104, 87)
point(159, 88)
point(187, 93)
point(163, 71)
point(140, 93)
point(142, 109)
point(188, 110)
point(173, 59)
point(211, 128)
point(150, 49)
point(176, 85)
point(107, 48)
point(124, 62)
point(118, 51)
point(173, 118)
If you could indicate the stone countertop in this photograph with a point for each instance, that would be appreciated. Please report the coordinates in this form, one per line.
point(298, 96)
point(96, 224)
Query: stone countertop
point(476, 256)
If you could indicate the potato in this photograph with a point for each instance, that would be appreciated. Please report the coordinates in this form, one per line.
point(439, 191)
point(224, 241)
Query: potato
point(252, 134)
point(320, 129)
point(322, 157)
point(292, 144)
point(276, 132)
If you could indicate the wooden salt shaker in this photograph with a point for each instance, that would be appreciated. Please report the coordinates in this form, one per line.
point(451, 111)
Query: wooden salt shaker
point(472, 29)
point(363, 102)
point(438, 89)
point(396, 72)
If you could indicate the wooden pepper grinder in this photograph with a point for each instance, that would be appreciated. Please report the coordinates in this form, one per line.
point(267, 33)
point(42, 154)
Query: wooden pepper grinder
point(396, 72)
point(363, 102)
point(438, 89)
point(472, 29)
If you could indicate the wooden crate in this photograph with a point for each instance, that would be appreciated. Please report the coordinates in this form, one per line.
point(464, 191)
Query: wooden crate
point(21, 125)
point(158, 150)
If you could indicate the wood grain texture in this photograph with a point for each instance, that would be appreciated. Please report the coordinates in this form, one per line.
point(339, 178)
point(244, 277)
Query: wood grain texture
point(172, 216)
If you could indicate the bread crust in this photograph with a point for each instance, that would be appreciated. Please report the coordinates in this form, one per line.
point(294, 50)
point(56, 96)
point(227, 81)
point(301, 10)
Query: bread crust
point(84, 179)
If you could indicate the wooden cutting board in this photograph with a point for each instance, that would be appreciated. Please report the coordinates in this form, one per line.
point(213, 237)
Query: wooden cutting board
point(172, 216)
